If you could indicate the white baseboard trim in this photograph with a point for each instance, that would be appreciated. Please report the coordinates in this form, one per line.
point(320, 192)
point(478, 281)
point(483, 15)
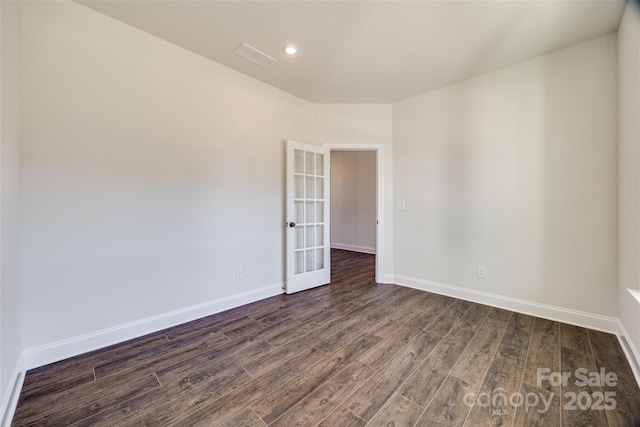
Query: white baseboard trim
point(630, 350)
point(54, 352)
point(387, 279)
point(10, 401)
point(560, 314)
point(353, 248)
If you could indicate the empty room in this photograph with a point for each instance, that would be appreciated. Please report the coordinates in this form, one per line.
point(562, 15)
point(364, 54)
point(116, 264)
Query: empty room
point(320, 213)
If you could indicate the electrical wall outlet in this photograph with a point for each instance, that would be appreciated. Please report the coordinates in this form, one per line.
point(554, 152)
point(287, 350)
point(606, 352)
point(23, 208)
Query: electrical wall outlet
point(239, 273)
point(482, 272)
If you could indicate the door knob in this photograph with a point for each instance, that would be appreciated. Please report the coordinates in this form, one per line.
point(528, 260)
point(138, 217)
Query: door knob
point(292, 224)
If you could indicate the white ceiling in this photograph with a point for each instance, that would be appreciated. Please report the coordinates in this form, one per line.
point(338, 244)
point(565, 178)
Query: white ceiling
point(369, 51)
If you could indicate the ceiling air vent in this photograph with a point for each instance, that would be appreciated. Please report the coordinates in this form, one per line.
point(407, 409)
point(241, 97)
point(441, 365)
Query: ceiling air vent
point(254, 55)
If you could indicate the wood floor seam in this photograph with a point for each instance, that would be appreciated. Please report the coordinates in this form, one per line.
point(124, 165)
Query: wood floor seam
point(436, 392)
point(157, 379)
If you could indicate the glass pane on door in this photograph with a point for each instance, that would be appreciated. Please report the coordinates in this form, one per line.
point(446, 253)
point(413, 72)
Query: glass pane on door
point(298, 191)
point(311, 211)
point(298, 161)
point(299, 212)
point(320, 211)
point(309, 163)
point(310, 260)
point(299, 237)
point(319, 188)
point(310, 242)
point(320, 164)
point(299, 262)
point(319, 235)
point(309, 192)
point(319, 259)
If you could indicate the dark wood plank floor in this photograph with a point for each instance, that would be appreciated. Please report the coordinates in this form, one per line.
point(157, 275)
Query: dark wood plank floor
point(350, 354)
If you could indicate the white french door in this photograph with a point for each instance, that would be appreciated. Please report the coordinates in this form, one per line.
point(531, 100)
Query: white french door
point(307, 226)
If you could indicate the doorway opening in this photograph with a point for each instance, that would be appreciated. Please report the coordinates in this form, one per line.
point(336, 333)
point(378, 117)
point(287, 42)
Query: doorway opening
point(357, 222)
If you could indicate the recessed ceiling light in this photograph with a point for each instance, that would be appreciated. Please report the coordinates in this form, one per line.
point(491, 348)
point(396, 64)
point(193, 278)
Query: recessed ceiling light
point(291, 49)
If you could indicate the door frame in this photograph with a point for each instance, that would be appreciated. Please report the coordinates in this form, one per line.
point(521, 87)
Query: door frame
point(378, 149)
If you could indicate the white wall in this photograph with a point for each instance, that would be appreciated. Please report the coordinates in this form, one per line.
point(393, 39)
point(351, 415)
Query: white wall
point(149, 174)
point(10, 339)
point(353, 200)
point(515, 170)
point(629, 160)
point(358, 125)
